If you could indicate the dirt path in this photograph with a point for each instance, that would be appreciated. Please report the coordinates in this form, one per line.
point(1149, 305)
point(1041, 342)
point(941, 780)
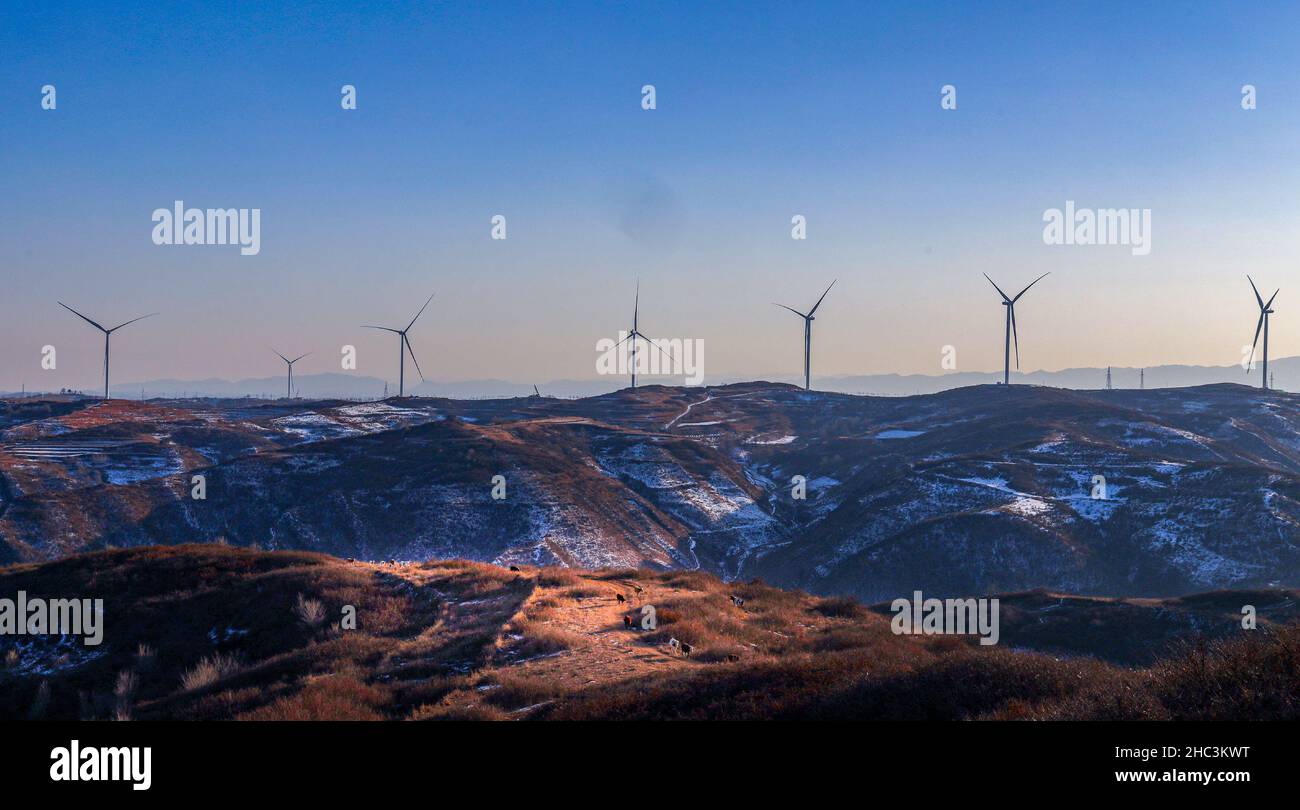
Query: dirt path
point(598, 649)
point(607, 651)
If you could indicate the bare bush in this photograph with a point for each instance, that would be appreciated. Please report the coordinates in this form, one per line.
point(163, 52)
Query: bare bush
point(310, 611)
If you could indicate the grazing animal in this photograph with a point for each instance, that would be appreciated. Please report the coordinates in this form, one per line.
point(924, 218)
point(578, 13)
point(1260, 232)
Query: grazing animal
point(351, 560)
point(737, 601)
point(638, 589)
point(392, 562)
point(674, 645)
point(686, 649)
point(627, 621)
point(620, 597)
point(732, 658)
point(514, 568)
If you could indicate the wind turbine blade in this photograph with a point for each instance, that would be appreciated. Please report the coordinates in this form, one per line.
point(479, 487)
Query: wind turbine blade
point(421, 312)
point(630, 335)
point(636, 304)
point(411, 351)
point(651, 341)
point(819, 300)
point(1259, 326)
point(1257, 298)
point(299, 357)
point(1015, 336)
point(795, 311)
point(1270, 301)
point(1032, 283)
point(282, 357)
point(996, 287)
point(133, 320)
point(385, 328)
point(83, 317)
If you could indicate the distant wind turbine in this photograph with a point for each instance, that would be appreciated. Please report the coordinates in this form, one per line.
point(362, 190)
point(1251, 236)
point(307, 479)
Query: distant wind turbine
point(1264, 311)
point(404, 346)
point(807, 335)
point(1010, 304)
point(289, 389)
point(107, 333)
point(634, 334)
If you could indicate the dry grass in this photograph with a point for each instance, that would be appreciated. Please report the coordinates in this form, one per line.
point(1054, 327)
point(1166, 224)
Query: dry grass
point(208, 671)
point(435, 642)
point(338, 696)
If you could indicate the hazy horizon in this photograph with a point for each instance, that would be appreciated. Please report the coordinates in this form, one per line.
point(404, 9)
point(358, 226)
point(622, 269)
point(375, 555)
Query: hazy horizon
point(830, 112)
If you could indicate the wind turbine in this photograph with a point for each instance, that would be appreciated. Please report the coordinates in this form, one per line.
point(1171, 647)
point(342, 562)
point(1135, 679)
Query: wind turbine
point(403, 346)
point(289, 393)
point(1264, 311)
point(635, 333)
point(807, 334)
point(107, 333)
point(1010, 304)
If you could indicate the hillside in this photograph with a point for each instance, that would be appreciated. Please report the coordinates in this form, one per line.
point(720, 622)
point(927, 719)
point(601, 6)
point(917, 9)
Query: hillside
point(211, 632)
point(976, 490)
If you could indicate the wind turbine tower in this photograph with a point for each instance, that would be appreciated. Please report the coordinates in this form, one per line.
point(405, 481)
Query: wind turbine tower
point(1264, 311)
point(107, 333)
point(403, 346)
point(1010, 304)
point(289, 389)
point(635, 334)
point(807, 335)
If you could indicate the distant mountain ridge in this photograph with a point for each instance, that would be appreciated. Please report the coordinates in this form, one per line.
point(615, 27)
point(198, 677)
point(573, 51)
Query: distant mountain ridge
point(1286, 371)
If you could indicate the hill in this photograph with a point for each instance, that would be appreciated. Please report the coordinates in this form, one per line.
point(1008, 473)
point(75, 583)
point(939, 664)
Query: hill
point(211, 632)
point(977, 490)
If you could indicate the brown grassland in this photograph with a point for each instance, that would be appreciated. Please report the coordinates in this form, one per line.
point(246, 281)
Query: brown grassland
point(212, 632)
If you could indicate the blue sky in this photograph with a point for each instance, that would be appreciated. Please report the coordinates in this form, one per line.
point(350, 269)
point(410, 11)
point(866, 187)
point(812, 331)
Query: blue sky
point(533, 111)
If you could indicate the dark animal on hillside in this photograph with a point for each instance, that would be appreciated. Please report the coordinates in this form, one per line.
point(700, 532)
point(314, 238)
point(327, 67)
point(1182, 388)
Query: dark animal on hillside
point(514, 568)
point(732, 658)
point(737, 601)
point(686, 649)
point(621, 600)
point(627, 621)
